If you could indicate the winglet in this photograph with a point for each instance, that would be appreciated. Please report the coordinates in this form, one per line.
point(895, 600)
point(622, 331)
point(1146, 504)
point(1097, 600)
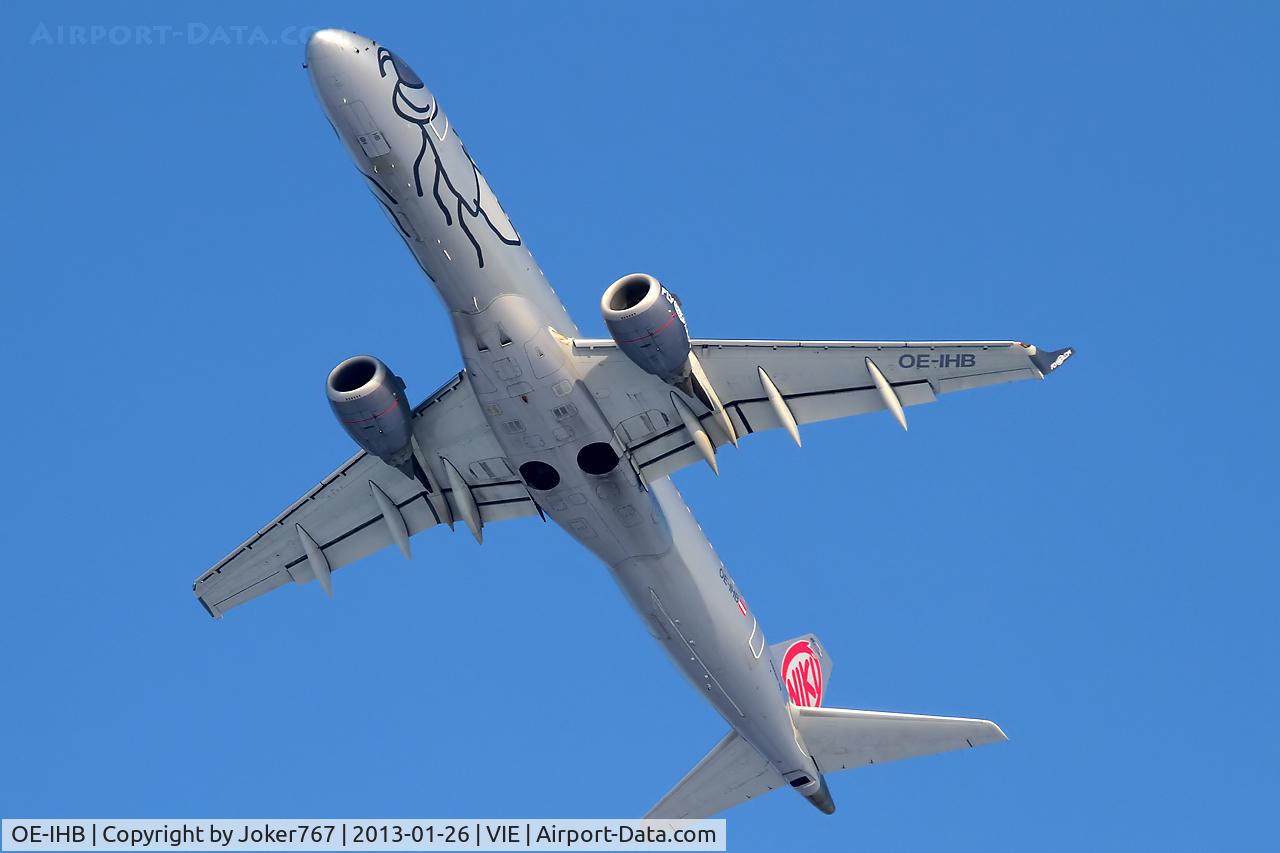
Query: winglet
point(1047, 361)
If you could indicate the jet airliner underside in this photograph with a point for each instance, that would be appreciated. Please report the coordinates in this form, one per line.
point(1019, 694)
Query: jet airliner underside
point(585, 432)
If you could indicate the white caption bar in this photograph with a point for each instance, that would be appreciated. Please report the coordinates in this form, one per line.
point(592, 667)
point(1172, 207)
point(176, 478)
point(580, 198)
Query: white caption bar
point(371, 834)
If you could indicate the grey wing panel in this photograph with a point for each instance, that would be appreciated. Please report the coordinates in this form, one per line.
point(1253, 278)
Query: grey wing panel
point(823, 380)
point(731, 773)
point(841, 739)
point(342, 515)
point(818, 380)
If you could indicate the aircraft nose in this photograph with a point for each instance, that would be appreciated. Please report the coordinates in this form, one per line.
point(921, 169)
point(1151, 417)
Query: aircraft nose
point(337, 60)
point(327, 45)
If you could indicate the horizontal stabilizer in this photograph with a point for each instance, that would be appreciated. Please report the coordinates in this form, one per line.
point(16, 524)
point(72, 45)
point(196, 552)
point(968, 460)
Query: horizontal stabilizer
point(731, 773)
point(839, 739)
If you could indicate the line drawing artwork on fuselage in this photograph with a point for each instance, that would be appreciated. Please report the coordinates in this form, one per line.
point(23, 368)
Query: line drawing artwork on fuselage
point(480, 204)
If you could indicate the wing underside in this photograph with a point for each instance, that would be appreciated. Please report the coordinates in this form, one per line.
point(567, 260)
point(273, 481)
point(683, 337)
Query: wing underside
point(815, 380)
point(344, 518)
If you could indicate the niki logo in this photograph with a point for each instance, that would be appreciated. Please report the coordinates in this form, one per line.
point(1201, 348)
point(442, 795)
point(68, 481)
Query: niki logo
point(675, 305)
point(1057, 362)
point(802, 673)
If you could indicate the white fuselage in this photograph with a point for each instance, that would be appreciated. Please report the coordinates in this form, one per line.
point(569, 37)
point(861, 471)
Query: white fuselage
point(513, 335)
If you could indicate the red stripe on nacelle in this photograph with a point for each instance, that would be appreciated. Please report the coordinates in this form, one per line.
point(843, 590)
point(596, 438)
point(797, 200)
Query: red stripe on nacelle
point(670, 320)
point(394, 403)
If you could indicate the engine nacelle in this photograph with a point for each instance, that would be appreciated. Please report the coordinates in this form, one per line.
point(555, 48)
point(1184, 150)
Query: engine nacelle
point(645, 321)
point(368, 400)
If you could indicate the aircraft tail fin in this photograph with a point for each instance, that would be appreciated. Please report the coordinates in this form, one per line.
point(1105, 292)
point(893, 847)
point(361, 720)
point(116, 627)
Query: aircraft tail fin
point(837, 738)
point(804, 667)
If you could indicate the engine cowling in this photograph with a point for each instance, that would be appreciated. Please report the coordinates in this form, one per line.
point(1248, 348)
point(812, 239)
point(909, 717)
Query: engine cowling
point(368, 400)
point(645, 321)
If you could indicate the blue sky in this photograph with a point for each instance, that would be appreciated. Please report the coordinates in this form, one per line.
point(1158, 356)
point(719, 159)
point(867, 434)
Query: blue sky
point(1085, 560)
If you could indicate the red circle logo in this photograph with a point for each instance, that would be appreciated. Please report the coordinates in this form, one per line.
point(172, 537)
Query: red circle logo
point(802, 673)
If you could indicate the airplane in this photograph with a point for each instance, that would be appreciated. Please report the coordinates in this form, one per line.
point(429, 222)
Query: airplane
point(542, 421)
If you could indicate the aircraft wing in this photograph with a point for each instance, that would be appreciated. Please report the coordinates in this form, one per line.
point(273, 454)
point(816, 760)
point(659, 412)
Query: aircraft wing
point(815, 380)
point(366, 505)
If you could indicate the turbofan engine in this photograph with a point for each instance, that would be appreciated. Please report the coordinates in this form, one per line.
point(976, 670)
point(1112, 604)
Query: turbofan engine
point(368, 400)
point(645, 321)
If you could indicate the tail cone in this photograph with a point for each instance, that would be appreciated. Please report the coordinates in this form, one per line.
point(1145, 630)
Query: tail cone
point(821, 798)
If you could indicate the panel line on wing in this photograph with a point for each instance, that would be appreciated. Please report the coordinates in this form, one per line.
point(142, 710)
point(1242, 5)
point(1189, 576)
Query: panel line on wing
point(738, 403)
point(247, 588)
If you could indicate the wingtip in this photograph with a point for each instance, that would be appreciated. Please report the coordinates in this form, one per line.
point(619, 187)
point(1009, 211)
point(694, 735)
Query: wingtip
point(1047, 361)
point(207, 608)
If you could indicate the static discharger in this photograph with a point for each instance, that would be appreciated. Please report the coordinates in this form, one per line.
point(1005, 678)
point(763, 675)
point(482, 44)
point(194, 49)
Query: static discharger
point(464, 500)
point(394, 520)
point(780, 408)
point(887, 394)
point(317, 560)
point(696, 432)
